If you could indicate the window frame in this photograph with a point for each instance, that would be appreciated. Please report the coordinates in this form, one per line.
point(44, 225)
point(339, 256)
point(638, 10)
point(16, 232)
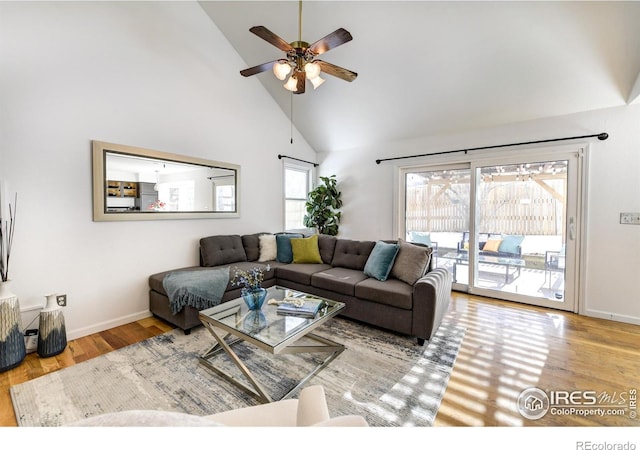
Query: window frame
point(309, 170)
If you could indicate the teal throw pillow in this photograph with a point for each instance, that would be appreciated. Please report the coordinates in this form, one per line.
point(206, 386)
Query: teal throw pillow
point(284, 250)
point(510, 243)
point(381, 260)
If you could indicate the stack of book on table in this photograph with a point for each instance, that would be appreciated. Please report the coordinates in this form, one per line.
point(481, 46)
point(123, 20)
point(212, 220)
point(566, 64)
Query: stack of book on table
point(308, 310)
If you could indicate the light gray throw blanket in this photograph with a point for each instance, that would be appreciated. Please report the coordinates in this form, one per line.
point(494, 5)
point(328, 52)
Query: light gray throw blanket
point(199, 289)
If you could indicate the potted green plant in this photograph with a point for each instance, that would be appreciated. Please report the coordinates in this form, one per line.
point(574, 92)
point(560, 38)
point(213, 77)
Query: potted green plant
point(322, 207)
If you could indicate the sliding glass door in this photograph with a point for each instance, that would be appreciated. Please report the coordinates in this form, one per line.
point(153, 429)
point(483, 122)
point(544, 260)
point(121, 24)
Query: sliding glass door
point(505, 227)
point(436, 209)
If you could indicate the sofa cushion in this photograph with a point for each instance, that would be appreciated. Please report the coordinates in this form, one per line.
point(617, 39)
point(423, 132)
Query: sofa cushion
point(411, 263)
point(283, 243)
point(492, 245)
point(326, 245)
point(352, 254)
point(421, 237)
point(219, 250)
point(306, 250)
point(338, 279)
point(251, 243)
point(268, 248)
point(381, 260)
point(155, 280)
point(300, 273)
point(510, 244)
point(392, 292)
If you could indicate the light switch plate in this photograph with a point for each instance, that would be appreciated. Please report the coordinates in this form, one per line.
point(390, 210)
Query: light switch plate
point(630, 218)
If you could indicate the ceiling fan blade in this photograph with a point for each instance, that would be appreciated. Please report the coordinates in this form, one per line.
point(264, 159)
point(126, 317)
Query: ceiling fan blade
point(332, 40)
point(257, 69)
point(301, 78)
point(337, 71)
point(271, 38)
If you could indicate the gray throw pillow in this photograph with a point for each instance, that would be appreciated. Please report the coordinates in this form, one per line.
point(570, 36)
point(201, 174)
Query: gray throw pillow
point(411, 262)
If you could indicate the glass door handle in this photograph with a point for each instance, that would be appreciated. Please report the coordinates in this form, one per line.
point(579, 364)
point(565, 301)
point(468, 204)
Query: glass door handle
point(572, 228)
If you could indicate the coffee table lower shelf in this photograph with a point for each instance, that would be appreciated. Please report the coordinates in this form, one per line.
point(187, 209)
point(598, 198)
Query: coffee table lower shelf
point(255, 388)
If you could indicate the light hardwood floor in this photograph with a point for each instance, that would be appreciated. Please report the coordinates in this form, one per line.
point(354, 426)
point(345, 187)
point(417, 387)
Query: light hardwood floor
point(507, 348)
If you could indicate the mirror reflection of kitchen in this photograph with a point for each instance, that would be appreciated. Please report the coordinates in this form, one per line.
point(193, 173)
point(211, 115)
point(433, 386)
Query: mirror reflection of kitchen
point(139, 184)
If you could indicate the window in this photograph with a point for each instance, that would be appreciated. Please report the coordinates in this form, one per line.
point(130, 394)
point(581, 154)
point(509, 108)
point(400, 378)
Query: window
point(297, 180)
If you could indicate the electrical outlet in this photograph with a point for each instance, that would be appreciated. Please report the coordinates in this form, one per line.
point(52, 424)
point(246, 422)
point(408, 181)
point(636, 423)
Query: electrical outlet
point(61, 299)
point(630, 218)
point(31, 340)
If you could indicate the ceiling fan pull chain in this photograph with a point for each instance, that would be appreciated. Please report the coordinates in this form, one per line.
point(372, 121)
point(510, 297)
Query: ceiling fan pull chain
point(291, 120)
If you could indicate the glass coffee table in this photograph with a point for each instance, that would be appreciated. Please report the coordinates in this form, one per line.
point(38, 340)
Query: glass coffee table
point(232, 322)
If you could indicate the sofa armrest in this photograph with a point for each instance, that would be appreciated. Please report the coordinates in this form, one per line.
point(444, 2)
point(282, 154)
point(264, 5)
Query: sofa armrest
point(312, 406)
point(431, 299)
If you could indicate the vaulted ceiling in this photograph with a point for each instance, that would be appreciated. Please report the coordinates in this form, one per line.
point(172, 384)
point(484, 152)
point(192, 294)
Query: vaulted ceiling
point(429, 67)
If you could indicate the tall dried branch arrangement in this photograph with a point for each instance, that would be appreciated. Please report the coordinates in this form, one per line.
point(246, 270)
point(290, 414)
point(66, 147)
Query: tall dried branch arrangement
point(7, 230)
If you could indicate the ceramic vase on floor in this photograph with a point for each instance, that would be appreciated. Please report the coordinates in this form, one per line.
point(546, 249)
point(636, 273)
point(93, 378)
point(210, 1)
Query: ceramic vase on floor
point(12, 348)
point(52, 337)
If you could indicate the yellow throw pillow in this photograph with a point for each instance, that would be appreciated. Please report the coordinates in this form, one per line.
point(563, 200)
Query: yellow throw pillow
point(492, 245)
point(306, 250)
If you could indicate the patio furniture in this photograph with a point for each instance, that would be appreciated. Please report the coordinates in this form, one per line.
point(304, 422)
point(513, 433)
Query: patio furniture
point(424, 237)
point(494, 244)
point(554, 261)
point(462, 258)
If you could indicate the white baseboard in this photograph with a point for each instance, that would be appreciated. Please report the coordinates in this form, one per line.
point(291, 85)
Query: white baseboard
point(81, 332)
point(610, 316)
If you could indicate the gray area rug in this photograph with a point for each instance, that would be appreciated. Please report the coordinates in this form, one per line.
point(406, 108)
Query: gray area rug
point(382, 376)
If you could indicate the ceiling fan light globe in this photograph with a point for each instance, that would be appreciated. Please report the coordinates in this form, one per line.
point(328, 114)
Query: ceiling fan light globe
point(291, 84)
point(281, 69)
point(312, 69)
point(317, 81)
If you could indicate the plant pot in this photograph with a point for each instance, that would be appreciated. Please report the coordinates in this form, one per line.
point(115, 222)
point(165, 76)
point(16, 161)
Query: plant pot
point(255, 298)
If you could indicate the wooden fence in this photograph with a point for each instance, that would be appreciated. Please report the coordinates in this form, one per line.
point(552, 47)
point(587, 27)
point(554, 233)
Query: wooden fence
point(528, 207)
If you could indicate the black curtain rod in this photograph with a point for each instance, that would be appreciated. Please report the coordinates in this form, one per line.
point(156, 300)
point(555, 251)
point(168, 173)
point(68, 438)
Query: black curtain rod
point(601, 136)
point(301, 160)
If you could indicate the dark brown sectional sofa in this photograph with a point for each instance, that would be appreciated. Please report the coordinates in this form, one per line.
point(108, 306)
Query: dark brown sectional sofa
point(413, 307)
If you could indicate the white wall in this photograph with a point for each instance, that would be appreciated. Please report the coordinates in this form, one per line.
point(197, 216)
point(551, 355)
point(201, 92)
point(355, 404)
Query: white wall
point(156, 75)
point(613, 250)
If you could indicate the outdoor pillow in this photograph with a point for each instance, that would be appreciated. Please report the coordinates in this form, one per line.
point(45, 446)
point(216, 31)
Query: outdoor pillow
point(306, 250)
point(411, 262)
point(283, 244)
point(510, 244)
point(492, 245)
point(381, 260)
point(421, 237)
point(268, 248)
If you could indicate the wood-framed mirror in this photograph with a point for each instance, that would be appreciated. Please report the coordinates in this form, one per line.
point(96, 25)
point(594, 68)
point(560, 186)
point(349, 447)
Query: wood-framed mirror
point(132, 183)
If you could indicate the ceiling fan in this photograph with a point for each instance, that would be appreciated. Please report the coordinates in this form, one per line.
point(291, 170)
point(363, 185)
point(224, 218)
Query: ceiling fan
point(300, 59)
